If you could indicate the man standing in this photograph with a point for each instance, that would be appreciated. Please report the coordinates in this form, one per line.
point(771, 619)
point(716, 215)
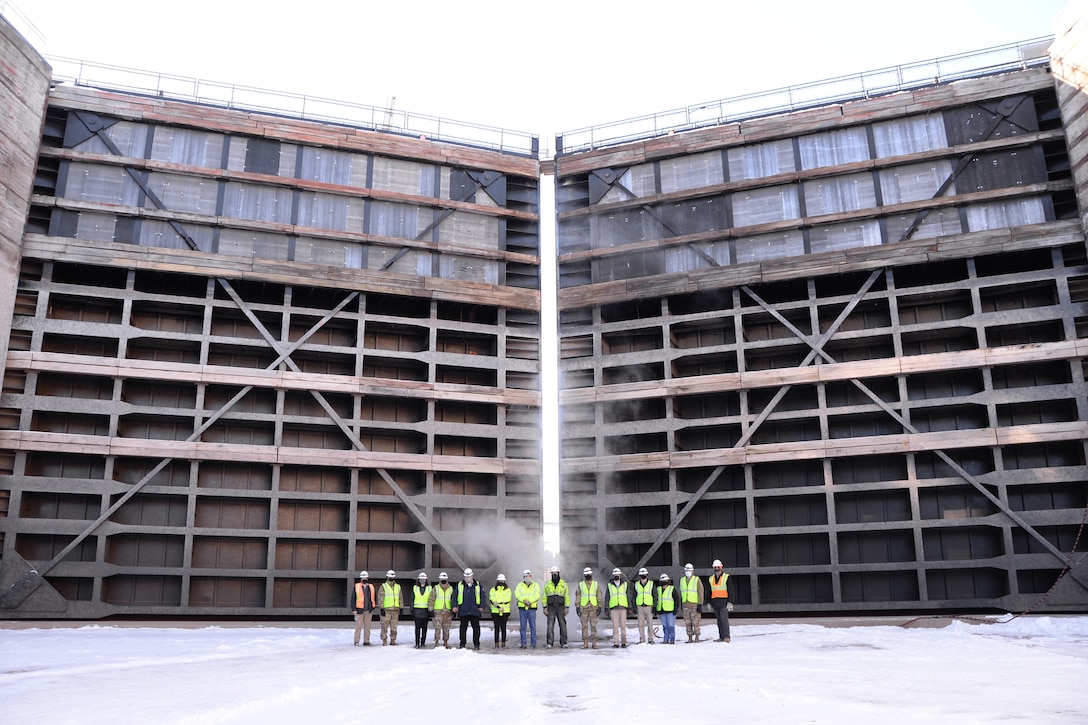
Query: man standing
point(666, 609)
point(442, 605)
point(617, 608)
point(588, 607)
point(527, 595)
point(421, 608)
point(691, 598)
point(389, 595)
point(644, 606)
point(364, 607)
point(467, 605)
point(719, 600)
point(499, 597)
point(556, 605)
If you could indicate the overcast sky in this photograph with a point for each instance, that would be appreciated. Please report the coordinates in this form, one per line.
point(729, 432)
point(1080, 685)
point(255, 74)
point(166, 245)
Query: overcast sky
point(537, 67)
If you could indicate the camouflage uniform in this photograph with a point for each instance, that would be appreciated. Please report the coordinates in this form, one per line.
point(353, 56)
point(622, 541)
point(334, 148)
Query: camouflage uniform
point(691, 609)
point(443, 612)
point(390, 614)
point(588, 613)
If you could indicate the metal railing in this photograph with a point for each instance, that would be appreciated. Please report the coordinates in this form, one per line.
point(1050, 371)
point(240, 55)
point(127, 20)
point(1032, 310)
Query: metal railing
point(313, 108)
point(998, 59)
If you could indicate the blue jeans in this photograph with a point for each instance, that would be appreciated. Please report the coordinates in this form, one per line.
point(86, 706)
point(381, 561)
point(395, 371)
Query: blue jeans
point(528, 622)
point(668, 626)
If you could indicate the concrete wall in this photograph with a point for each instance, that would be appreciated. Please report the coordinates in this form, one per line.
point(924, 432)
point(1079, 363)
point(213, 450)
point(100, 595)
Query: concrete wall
point(24, 85)
point(1069, 60)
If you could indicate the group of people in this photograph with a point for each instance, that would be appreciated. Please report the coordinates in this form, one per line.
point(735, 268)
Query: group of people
point(465, 601)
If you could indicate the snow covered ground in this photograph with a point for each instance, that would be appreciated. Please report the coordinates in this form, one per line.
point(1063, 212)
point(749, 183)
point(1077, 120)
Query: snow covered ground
point(1030, 670)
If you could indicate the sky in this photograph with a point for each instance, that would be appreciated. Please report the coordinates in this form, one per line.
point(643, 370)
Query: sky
point(1028, 670)
point(540, 68)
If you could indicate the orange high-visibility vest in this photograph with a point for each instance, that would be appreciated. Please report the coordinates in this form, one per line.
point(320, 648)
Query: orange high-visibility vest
point(719, 589)
point(359, 594)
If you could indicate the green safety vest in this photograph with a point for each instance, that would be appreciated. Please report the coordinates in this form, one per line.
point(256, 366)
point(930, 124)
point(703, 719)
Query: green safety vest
point(390, 595)
point(617, 595)
point(422, 597)
point(644, 594)
point(689, 590)
point(442, 596)
point(560, 590)
point(527, 593)
point(588, 595)
point(461, 592)
point(666, 602)
point(500, 600)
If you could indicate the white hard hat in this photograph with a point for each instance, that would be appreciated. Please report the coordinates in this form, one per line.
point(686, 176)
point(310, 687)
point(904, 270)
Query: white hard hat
point(689, 567)
point(500, 578)
point(663, 578)
point(468, 572)
point(422, 575)
point(390, 573)
point(553, 570)
point(717, 564)
point(616, 572)
point(364, 575)
point(587, 572)
point(643, 572)
point(443, 576)
point(526, 573)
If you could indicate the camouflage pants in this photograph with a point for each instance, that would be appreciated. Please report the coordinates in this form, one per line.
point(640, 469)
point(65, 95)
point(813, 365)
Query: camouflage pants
point(589, 626)
point(390, 617)
point(691, 619)
point(442, 620)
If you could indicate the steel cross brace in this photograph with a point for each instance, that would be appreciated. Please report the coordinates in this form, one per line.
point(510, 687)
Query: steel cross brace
point(817, 348)
point(775, 400)
point(1004, 109)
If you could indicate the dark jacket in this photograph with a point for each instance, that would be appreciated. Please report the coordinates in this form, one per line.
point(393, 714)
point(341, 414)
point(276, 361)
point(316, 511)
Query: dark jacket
point(464, 600)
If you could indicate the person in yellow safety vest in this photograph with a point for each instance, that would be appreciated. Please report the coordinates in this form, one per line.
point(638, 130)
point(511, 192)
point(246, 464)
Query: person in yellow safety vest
point(617, 608)
point(390, 601)
point(588, 607)
point(527, 595)
point(441, 605)
point(363, 607)
point(421, 608)
point(556, 606)
point(691, 598)
point(500, 597)
point(719, 600)
point(644, 606)
point(666, 609)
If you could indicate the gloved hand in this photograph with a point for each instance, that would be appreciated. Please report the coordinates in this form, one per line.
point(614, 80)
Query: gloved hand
point(598, 611)
point(729, 607)
point(383, 612)
point(578, 611)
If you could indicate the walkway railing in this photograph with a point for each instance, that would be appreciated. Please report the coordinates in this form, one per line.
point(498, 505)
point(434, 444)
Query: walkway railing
point(999, 59)
point(313, 108)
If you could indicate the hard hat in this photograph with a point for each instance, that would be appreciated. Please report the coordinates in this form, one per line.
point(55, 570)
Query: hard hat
point(643, 572)
point(526, 573)
point(553, 570)
point(617, 572)
point(364, 575)
point(663, 578)
point(689, 567)
point(468, 572)
point(390, 573)
point(587, 572)
point(717, 564)
point(500, 578)
point(443, 577)
point(422, 575)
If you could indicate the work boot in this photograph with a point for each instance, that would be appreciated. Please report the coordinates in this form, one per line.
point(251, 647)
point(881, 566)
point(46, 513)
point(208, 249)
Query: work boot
point(585, 645)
